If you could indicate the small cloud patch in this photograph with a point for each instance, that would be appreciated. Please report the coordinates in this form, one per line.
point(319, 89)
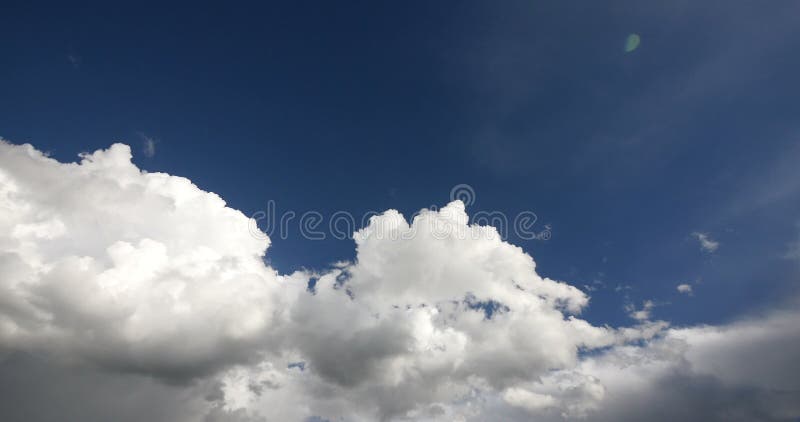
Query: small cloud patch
point(642, 314)
point(148, 145)
point(707, 244)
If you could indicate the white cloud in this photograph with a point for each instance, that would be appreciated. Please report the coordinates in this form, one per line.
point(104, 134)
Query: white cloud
point(138, 271)
point(528, 400)
point(145, 272)
point(685, 288)
point(128, 271)
point(640, 314)
point(706, 242)
point(409, 326)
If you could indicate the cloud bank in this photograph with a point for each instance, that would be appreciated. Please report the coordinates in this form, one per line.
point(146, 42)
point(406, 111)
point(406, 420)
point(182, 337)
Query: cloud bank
point(121, 283)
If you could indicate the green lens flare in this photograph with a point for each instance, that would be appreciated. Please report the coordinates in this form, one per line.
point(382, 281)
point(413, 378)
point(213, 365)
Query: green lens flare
point(632, 42)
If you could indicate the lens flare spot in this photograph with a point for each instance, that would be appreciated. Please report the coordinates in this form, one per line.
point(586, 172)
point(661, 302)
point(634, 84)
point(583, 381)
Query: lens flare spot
point(632, 42)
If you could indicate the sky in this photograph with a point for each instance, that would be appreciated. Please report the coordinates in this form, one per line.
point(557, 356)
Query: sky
point(656, 144)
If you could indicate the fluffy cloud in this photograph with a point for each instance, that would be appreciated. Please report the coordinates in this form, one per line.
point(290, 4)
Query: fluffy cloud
point(684, 288)
point(107, 269)
point(134, 271)
point(431, 312)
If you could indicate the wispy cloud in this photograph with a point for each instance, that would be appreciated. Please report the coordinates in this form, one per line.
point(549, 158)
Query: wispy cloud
point(706, 242)
point(148, 145)
point(642, 314)
point(74, 60)
point(793, 252)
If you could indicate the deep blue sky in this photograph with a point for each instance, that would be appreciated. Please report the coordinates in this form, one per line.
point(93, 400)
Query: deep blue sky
point(364, 106)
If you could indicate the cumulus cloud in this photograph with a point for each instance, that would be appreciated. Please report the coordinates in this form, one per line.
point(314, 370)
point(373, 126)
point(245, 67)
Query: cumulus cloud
point(707, 244)
point(144, 283)
point(431, 311)
point(135, 271)
point(684, 288)
point(740, 371)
